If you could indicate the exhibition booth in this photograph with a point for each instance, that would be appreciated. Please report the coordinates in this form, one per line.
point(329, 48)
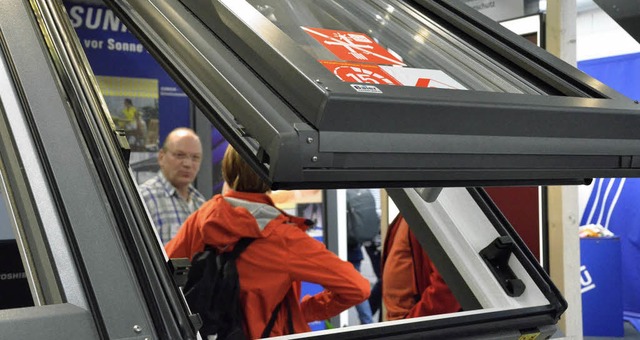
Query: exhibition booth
point(428, 102)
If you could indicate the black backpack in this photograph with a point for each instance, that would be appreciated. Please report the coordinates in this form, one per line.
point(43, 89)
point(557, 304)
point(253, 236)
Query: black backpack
point(363, 222)
point(213, 291)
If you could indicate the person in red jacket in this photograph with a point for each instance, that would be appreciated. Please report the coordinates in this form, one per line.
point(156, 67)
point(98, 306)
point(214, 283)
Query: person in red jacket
point(271, 269)
point(411, 284)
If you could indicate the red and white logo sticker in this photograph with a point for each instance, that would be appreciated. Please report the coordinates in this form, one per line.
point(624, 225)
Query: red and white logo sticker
point(359, 73)
point(353, 46)
point(422, 78)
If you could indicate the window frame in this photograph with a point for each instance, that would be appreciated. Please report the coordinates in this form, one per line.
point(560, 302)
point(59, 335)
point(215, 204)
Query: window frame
point(285, 113)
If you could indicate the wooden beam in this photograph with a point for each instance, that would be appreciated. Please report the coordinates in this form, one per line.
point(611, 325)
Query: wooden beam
point(563, 213)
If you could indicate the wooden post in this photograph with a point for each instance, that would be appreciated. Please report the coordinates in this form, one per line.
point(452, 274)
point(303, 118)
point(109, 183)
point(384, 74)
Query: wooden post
point(563, 213)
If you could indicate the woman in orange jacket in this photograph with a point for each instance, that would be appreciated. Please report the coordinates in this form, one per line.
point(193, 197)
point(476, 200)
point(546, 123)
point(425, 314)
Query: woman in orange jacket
point(411, 284)
point(272, 267)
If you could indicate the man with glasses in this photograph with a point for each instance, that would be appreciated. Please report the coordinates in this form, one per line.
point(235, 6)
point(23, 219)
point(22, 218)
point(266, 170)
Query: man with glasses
point(170, 196)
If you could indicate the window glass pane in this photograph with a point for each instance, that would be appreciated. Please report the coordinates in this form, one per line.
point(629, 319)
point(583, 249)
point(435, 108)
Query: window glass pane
point(14, 287)
point(13, 280)
point(26, 276)
point(410, 47)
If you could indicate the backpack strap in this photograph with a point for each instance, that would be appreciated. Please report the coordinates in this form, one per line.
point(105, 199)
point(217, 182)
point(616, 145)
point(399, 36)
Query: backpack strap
point(274, 316)
point(239, 247)
point(418, 281)
point(290, 319)
point(269, 327)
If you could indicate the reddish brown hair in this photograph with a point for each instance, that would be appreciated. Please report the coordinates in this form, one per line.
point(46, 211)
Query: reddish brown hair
point(239, 175)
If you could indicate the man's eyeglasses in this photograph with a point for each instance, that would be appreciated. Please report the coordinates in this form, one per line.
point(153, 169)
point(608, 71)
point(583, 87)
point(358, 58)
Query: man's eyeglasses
point(181, 156)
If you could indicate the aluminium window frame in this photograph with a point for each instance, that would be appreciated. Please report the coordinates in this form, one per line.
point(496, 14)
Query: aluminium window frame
point(98, 262)
point(282, 110)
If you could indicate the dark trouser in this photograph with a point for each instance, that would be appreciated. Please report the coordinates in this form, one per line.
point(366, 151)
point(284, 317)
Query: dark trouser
point(375, 299)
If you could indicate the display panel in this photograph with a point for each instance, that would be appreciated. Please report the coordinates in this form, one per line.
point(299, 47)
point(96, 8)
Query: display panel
point(529, 27)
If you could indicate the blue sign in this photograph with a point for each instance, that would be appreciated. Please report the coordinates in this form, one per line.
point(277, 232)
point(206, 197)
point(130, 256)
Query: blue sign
point(125, 69)
point(600, 279)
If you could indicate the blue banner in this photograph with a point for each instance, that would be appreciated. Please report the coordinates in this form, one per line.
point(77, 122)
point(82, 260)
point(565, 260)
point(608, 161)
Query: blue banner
point(613, 203)
point(125, 70)
point(615, 72)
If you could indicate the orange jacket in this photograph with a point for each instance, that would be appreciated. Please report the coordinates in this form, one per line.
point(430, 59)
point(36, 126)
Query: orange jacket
point(273, 265)
point(411, 284)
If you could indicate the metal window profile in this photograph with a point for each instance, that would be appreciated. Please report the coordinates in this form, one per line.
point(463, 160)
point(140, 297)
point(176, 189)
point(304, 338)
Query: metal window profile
point(526, 118)
point(455, 228)
point(268, 95)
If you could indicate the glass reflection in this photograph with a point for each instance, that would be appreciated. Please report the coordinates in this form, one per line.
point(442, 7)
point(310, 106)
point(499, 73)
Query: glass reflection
point(13, 280)
point(413, 47)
